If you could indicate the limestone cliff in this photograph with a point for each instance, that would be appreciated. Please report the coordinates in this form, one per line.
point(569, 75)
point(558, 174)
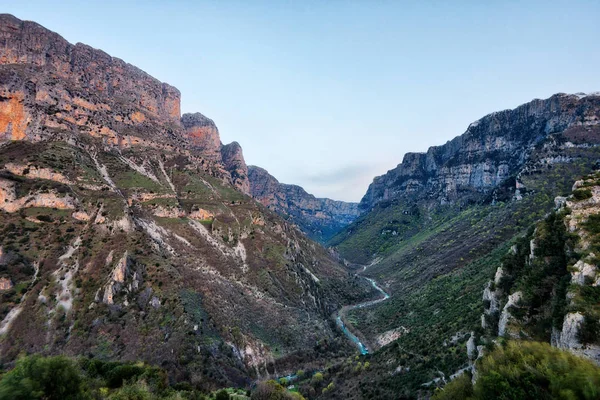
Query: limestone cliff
point(203, 136)
point(53, 90)
point(318, 218)
point(491, 150)
point(27, 43)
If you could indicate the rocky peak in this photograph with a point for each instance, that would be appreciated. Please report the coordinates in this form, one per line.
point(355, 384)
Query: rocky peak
point(233, 160)
point(202, 134)
point(492, 149)
point(318, 218)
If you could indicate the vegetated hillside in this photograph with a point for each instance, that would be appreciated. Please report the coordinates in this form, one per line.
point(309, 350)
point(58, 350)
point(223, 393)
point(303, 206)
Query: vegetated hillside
point(547, 288)
point(127, 233)
point(436, 243)
point(320, 219)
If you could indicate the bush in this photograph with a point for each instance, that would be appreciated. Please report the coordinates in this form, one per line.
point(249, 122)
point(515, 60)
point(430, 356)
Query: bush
point(528, 370)
point(132, 392)
point(459, 389)
point(589, 331)
point(582, 194)
point(51, 378)
point(222, 395)
point(271, 390)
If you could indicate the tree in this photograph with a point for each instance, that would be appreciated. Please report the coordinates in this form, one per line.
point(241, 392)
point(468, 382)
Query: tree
point(51, 378)
point(528, 370)
point(271, 390)
point(222, 395)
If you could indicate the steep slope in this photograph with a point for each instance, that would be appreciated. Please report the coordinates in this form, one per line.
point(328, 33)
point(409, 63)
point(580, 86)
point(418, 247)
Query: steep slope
point(547, 286)
point(435, 243)
point(320, 219)
point(126, 236)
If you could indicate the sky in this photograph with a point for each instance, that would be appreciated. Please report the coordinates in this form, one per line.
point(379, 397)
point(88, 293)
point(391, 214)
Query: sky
point(330, 94)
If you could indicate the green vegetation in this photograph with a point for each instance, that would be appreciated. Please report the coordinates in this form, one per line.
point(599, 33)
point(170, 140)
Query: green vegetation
point(527, 370)
point(62, 378)
point(582, 194)
point(271, 390)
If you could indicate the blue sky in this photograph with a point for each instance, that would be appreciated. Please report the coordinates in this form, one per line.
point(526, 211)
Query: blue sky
point(328, 94)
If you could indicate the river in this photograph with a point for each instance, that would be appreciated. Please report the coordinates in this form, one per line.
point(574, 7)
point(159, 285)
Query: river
point(384, 296)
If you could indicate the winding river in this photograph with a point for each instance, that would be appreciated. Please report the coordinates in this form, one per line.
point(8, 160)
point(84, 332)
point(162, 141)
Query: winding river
point(384, 296)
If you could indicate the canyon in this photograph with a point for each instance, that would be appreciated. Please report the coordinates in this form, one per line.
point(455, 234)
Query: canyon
point(131, 233)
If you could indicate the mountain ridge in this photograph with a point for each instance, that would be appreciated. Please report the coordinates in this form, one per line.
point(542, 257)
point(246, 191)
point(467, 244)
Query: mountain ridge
point(430, 171)
point(320, 218)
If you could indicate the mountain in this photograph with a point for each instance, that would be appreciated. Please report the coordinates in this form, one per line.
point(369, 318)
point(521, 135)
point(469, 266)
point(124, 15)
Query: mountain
point(320, 219)
point(436, 228)
point(128, 232)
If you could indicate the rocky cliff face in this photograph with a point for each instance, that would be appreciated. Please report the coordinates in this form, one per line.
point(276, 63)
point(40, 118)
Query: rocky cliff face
point(27, 43)
point(127, 233)
point(233, 159)
point(492, 149)
point(50, 89)
point(318, 218)
point(203, 136)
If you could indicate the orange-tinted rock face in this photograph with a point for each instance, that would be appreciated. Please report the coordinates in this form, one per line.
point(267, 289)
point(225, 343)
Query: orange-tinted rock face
point(13, 118)
point(25, 42)
point(138, 117)
point(52, 90)
point(202, 134)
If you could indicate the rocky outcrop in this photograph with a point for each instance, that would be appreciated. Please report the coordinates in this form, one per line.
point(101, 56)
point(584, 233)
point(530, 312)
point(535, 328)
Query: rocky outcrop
point(491, 150)
point(10, 203)
point(203, 135)
point(505, 316)
point(318, 218)
point(233, 160)
point(124, 278)
point(5, 284)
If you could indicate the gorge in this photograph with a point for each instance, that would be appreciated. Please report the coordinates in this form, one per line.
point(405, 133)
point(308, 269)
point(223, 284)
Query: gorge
point(148, 254)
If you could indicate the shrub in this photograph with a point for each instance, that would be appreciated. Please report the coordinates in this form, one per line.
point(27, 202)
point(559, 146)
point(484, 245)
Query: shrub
point(51, 378)
point(528, 370)
point(271, 390)
point(589, 331)
point(582, 194)
point(132, 392)
point(222, 395)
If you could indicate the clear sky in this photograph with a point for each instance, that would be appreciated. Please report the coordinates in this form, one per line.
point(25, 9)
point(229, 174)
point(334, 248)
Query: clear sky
point(329, 94)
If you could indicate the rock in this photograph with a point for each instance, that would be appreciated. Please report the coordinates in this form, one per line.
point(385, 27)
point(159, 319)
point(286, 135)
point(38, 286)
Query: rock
point(201, 214)
point(203, 135)
point(25, 42)
point(505, 317)
point(570, 329)
point(155, 302)
point(581, 271)
point(471, 348)
point(233, 160)
point(122, 279)
point(493, 298)
point(6, 284)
